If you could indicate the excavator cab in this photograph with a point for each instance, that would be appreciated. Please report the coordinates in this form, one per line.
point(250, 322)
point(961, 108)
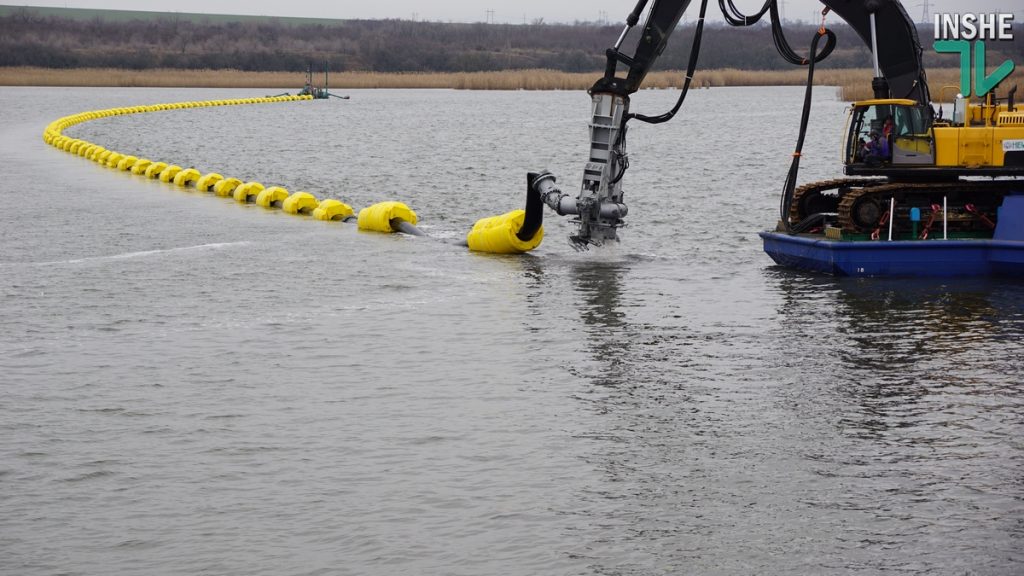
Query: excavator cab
point(888, 135)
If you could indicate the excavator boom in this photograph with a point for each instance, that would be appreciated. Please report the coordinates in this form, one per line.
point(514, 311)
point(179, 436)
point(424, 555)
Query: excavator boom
point(598, 207)
point(899, 56)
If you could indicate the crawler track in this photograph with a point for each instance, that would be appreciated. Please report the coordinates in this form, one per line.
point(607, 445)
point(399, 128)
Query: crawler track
point(859, 209)
point(860, 202)
point(816, 197)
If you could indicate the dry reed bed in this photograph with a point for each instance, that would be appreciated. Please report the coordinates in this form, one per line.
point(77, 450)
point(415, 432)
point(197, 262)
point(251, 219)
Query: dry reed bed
point(854, 84)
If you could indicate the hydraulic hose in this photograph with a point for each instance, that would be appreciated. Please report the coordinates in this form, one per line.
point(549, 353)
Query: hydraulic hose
point(794, 167)
point(736, 18)
point(691, 66)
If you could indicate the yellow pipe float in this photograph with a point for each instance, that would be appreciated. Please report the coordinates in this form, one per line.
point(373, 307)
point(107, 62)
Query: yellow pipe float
point(126, 163)
point(153, 170)
point(185, 177)
point(246, 191)
point(207, 182)
point(168, 174)
point(300, 203)
point(226, 187)
point(140, 166)
point(498, 234)
point(332, 209)
point(271, 197)
point(383, 217)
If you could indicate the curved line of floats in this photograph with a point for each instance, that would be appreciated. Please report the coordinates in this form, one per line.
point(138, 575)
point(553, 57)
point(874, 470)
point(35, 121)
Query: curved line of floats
point(496, 234)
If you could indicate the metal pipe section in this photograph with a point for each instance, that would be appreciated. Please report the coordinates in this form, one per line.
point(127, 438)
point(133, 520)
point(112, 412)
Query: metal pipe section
point(564, 204)
point(874, 45)
point(406, 227)
point(622, 38)
point(552, 195)
point(631, 21)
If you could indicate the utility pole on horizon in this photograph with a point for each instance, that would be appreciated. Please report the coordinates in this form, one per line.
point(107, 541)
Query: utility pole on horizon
point(926, 11)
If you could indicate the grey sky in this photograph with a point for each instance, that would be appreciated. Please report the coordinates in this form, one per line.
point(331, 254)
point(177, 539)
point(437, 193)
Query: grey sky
point(498, 11)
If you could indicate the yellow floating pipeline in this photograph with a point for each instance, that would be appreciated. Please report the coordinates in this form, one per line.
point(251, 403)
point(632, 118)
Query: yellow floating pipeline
point(332, 209)
point(272, 197)
point(153, 170)
point(300, 203)
point(499, 234)
point(185, 177)
point(247, 192)
point(168, 174)
point(226, 188)
point(385, 217)
point(207, 182)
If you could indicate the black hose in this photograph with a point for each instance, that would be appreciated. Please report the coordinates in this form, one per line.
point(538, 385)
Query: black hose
point(690, 67)
point(794, 167)
point(534, 216)
point(736, 18)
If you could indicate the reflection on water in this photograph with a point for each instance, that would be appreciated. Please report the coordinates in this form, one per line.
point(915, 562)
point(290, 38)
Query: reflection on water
point(599, 287)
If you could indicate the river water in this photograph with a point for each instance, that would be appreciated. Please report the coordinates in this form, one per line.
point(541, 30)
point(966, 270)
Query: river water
point(192, 386)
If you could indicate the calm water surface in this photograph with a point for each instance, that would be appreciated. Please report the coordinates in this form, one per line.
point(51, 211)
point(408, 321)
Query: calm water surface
point(191, 386)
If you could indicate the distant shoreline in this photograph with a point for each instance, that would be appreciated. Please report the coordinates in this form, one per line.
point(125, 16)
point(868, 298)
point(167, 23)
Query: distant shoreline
point(854, 84)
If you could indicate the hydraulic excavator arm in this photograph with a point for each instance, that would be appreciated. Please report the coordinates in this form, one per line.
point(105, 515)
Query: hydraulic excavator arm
point(598, 207)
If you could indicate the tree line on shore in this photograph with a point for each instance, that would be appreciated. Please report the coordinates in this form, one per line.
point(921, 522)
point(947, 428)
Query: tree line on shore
point(31, 39)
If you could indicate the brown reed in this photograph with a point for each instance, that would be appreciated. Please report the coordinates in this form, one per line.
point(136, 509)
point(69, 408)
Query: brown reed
point(854, 84)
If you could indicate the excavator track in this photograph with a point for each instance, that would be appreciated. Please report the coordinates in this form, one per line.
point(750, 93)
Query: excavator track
point(811, 198)
point(860, 209)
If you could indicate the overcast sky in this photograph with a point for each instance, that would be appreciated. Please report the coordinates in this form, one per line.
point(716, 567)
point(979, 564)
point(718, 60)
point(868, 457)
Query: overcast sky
point(498, 11)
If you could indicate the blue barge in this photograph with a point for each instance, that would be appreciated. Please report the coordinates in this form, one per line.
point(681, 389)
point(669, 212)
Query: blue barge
point(1001, 255)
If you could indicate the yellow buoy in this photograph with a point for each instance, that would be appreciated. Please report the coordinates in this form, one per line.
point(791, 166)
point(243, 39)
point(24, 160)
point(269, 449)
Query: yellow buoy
point(153, 170)
point(186, 177)
point(300, 203)
point(207, 182)
point(332, 209)
point(271, 197)
point(246, 192)
point(140, 166)
point(497, 234)
point(126, 163)
point(113, 159)
point(226, 187)
point(168, 174)
point(378, 217)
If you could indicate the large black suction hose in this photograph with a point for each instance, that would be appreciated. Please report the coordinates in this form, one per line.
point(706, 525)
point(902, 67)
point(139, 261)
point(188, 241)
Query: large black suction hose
point(794, 167)
point(534, 210)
